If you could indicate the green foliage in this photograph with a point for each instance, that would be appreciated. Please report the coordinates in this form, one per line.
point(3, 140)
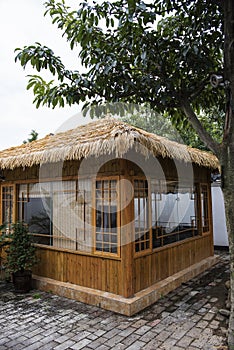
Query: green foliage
point(3, 240)
point(32, 136)
point(161, 125)
point(212, 122)
point(20, 252)
point(132, 53)
point(37, 296)
point(150, 121)
point(135, 52)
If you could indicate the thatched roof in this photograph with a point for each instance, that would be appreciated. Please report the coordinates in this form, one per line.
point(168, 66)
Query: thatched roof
point(105, 136)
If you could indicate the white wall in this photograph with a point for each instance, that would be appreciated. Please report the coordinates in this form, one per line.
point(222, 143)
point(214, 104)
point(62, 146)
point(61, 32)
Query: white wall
point(219, 220)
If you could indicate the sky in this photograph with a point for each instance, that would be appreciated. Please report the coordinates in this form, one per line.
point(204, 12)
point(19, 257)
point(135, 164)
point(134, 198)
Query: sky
point(22, 22)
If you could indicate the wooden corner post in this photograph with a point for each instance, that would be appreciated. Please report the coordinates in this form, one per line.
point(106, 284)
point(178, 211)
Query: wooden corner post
point(127, 234)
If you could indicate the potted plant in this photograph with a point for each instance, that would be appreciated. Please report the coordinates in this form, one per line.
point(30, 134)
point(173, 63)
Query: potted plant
point(3, 244)
point(20, 257)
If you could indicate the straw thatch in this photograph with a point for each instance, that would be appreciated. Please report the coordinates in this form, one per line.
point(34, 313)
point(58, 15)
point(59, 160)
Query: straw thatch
point(105, 136)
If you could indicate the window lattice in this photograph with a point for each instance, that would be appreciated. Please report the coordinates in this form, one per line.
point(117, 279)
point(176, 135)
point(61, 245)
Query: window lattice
point(106, 216)
point(142, 233)
point(7, 205)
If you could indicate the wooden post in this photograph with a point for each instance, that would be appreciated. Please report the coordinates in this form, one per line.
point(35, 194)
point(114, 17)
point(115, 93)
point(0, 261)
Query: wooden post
point(127, 234)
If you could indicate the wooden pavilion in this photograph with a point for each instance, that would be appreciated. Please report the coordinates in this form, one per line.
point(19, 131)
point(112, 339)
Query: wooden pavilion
point(119, 216)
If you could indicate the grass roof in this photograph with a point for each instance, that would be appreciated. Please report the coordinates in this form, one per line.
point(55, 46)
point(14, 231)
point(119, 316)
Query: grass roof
point(104, 136)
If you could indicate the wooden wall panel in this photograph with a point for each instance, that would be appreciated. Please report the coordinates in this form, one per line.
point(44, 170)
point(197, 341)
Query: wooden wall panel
point(105, 274)
point(167, 261)
point(88, 271)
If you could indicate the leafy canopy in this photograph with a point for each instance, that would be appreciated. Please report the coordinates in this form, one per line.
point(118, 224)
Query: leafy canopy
point(132, 52)
point(161, 125)
point(161, 53)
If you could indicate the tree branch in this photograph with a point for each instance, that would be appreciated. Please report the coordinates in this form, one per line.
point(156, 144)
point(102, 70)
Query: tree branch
point(199, 89)
point(194, 121)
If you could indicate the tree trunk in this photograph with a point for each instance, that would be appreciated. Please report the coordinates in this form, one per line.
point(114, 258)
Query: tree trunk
point(227, 163)
point(227, 152)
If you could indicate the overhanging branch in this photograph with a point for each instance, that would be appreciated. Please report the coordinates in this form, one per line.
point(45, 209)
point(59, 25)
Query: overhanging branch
point(196, 124)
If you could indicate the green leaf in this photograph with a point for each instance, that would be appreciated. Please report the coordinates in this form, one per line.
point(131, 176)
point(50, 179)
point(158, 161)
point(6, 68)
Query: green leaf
point(134, 59)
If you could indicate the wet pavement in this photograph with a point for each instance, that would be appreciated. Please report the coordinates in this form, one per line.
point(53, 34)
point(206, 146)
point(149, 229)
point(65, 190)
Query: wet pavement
point(187, 318)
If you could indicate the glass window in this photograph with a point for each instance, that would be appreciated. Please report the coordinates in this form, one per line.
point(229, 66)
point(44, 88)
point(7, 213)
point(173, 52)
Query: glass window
point(34, 208)
point(106, 217)
point(58, 213)
point(174, 212)
point(72, 215)
point(7, 205)
point(141, 213)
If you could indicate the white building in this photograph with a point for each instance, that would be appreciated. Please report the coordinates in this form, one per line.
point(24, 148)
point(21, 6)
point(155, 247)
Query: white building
point(219, 219)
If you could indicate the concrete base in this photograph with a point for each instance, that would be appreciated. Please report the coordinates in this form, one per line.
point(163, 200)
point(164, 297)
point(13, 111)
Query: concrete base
point(116, 303)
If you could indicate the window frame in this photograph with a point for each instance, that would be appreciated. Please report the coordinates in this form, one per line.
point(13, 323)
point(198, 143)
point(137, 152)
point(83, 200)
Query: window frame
point(118, 218)
point(51, 236)
point(148, 250)
point(27, 199)
point(195, 197)
point(13, 186)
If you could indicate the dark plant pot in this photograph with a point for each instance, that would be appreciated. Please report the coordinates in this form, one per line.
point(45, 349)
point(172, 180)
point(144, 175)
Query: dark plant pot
point(22, 281)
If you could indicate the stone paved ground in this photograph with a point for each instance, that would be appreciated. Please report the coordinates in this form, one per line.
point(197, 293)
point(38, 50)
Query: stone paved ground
point(187, 318)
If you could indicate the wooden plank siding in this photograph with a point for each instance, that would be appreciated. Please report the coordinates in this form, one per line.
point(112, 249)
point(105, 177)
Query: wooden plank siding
point(166, 261)
point(108, 274)
point(84, 270)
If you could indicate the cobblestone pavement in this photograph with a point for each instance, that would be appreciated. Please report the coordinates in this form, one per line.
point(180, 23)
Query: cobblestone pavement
point(187, 318)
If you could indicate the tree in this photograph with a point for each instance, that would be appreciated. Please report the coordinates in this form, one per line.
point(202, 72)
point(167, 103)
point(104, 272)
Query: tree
point(32, 136)
point(160, 52)
point(162, 126)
